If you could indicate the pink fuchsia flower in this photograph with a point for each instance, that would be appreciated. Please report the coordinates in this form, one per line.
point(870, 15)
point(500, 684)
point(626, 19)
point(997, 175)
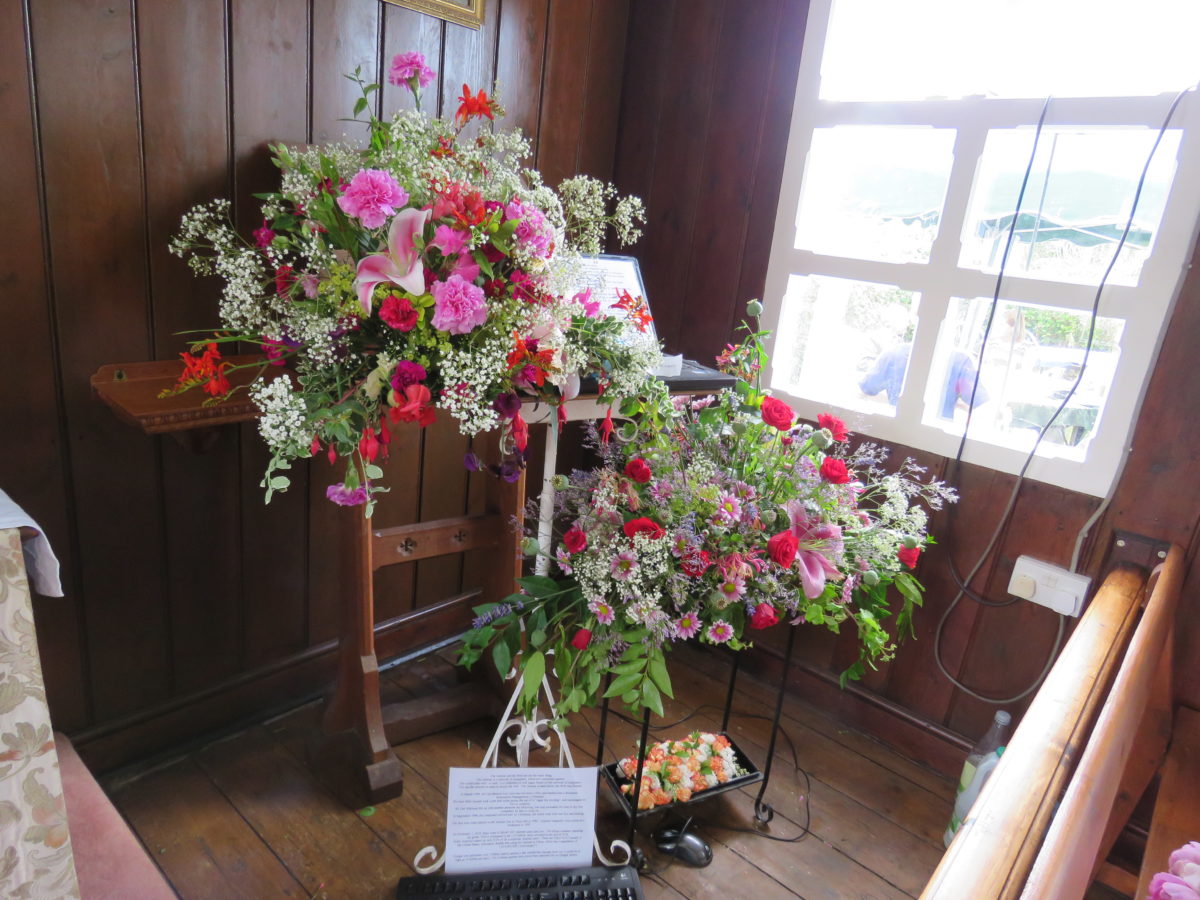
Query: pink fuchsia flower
point(1184, 864)
point(1165, 886)
point(399, 313)
point(719, 632)
point(817, 542)
point(408, 66)
point(372, 197)
point(400, 264)
point(344, 496)
point(687, 626)
point(623, 565)
point(603, 612)
point(458, 306)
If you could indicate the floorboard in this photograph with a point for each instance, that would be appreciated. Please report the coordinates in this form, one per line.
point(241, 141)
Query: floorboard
point(250, 816)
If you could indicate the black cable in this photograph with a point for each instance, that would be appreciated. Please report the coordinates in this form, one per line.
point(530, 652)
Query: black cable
point(1007, 514)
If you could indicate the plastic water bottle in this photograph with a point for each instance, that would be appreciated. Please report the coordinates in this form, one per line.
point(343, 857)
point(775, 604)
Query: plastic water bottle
point(979, 765)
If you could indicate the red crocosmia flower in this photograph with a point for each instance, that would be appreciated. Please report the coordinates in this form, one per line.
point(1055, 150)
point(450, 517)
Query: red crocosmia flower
point(777, 414)
point(696, 563)
point(471, 107)
point(909, 556)
point(764, 616)
point(835, 425)
point(638, 469)
point(582, 638)
point(207, 370)
point(575, 540)
point(520, 433)
point(834, 471)
point(645, 526)
point(606, 427)
point(783, 548)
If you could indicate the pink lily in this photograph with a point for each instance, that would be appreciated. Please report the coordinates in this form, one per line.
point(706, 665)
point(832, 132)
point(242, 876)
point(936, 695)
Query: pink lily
point(400, 264)
point(816, 538)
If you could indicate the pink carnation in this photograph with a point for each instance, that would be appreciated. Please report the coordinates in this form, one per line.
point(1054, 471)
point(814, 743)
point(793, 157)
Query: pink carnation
point(458, 305)
point(372, 196)
point(534, 232)
point(410, 65)
point(399, 313)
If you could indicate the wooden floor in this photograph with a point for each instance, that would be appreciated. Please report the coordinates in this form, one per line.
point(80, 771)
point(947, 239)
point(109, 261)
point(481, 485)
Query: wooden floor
point(245, 817)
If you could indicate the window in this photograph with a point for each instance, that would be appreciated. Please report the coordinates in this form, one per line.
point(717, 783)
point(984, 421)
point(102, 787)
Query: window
point(912, 129)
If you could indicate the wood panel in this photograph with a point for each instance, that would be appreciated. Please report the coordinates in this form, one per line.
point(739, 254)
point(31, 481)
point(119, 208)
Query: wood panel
point(36, 467)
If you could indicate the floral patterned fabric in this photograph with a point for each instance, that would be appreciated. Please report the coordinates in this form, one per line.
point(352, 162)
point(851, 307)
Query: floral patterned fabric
point(35, 847)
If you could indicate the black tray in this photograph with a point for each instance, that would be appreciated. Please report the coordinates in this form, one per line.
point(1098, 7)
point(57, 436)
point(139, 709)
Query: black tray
point(615, 780)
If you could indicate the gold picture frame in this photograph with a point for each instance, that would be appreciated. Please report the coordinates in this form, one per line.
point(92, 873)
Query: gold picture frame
point(462, 12)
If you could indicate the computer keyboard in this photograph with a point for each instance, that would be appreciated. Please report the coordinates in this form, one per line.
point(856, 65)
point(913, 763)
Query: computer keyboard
point(589, 883)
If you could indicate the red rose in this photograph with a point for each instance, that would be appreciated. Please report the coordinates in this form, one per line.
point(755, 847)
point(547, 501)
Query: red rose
point(782, 548)
point(777, 414)
point(638, 469)
point(909, 556)
point(834, 471)
point(285, 277)
point(835, 425)
point(575, 540)
point(695, 564)
point(645, 526)
point(764, 616)
point(582, 638)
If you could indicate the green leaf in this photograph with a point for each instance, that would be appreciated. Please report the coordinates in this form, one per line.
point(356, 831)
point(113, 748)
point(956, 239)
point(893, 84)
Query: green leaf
point(280, 483)
point(537, 638)
point(539, 585)
point(359, 105)
point(502, 657)
point(658, 674)
point(623, 683)
point(651, 697)
point(626, 668)
point(534, 669)
point(373, 471)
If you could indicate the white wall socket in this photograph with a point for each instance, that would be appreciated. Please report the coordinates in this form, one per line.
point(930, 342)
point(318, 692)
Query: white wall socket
point(1048, 585)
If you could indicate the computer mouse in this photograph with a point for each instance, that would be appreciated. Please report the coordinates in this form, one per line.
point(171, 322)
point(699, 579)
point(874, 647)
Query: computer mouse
point(687, 847)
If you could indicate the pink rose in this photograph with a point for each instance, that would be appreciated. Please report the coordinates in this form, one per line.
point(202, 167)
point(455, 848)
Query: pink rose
point(372, 197)
point(1165, 886)
point(458, 305)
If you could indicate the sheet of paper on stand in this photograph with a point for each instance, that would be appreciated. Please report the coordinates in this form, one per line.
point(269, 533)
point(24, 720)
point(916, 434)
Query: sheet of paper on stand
point(670, 367)
point(40, 562)
point(511, 819)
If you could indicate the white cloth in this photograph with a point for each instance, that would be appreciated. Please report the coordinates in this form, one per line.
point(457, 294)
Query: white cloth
point(40, 562)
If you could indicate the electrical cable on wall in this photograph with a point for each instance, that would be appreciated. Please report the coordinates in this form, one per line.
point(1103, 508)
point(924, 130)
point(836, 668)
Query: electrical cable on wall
point(963, 583)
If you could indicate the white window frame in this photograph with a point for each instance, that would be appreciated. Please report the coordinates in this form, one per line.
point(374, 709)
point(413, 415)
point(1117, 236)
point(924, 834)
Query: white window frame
point(1144, 307)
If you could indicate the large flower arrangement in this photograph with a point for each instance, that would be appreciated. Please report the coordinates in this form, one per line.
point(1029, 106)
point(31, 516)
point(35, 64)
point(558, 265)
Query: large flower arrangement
point(428, 270)
point(709, 520)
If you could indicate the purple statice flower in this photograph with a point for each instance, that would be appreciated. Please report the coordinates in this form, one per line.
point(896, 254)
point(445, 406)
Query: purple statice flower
point(372, 197)
point(688, 626)
point(719, 632)
point(458, 306)
point(344, 496)
point(729, 509)
point(563, 558)
point(410, 65)
point(603, 612)
point(623, 565)
point(496, 612)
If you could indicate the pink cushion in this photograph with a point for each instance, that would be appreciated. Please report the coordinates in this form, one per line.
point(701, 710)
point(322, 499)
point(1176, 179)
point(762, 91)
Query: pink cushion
point(109, 860)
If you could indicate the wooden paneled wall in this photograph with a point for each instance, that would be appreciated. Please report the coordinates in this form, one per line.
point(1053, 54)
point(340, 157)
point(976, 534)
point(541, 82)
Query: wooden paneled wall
point(704, 122)
point(181, 585)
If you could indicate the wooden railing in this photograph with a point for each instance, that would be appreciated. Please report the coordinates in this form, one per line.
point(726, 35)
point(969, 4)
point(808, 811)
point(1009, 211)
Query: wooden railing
point(995, 849)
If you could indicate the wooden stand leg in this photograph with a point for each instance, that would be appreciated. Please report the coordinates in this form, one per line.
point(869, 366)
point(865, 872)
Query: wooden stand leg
point(355, 704)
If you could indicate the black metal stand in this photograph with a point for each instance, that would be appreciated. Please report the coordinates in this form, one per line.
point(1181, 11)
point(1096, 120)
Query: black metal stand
point(763, 812)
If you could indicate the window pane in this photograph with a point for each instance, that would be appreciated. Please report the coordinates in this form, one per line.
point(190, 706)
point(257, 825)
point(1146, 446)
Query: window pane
point(874, 192)
point(1075, 206)
point(845, 342)
point(1033, 356)
point(925, 49)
